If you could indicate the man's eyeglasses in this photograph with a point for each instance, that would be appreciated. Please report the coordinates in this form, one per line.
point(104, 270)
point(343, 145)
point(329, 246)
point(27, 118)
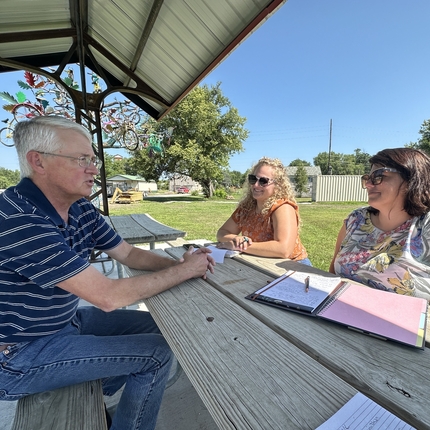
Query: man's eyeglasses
point(82, 161)
point(264, 182)
point(376, 177)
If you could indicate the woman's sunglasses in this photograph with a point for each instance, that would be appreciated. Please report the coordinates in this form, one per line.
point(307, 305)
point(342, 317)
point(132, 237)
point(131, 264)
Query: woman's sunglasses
point(376, 177)
point(264, 182)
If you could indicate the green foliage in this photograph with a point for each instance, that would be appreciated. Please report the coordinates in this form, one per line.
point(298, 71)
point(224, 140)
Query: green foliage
point(236, 179)
point(232, 178)
point(300, 180)
point(423, 142)
point(343, 164)
point(220, 193)
point(207, 131)
point(163, 185)
point(114, 167)
point(8, 177)
point(298, 162)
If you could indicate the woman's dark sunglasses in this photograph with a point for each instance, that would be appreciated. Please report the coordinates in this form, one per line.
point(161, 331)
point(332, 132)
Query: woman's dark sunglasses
point(264, 182)
point(376, 177)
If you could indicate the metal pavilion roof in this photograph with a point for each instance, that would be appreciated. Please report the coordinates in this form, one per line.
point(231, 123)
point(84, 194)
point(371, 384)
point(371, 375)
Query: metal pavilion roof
point(152, 51)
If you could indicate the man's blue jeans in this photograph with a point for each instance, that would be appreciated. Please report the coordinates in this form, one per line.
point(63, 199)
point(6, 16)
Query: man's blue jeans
point(123, 346)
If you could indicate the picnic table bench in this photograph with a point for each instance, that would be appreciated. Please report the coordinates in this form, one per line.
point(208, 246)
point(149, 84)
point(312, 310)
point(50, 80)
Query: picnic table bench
point(137, 229)
point(142, 228)
point(77, 407)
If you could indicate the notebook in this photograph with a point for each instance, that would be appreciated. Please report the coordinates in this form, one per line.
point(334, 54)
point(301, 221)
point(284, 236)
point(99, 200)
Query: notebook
point(378, 313)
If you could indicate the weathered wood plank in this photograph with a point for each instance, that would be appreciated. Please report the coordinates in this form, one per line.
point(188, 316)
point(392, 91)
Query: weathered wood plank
point(177, 242)
point(161, 231)
point(395, 376)
point(130, 230)
point(248, 376)
point(77, 407)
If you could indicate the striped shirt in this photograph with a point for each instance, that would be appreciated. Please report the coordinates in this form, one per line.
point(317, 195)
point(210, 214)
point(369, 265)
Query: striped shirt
point(37, 251)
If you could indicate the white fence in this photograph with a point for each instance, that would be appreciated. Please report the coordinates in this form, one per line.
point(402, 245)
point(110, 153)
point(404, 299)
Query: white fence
point(338, 188)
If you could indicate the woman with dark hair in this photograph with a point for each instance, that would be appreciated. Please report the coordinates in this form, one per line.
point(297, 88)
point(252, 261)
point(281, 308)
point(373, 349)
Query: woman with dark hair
point(266, 222)
point(386, 244)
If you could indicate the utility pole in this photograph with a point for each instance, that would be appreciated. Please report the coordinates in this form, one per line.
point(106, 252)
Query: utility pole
point(329, 168)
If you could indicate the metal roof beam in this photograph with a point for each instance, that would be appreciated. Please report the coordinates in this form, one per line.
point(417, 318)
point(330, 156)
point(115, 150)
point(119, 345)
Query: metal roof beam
point(79, 18)
point(24, 36)
point(142, 86)
point(156, 6)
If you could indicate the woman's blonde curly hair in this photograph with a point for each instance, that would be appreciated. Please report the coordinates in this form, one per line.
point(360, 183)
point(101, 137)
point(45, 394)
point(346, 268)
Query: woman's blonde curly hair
point(283, 187)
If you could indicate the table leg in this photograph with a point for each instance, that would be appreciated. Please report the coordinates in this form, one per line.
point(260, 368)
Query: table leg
point(175, 373)
point(120, 270)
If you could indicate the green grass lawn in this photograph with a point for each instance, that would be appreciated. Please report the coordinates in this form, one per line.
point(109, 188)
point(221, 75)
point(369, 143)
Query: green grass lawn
point(201, 218)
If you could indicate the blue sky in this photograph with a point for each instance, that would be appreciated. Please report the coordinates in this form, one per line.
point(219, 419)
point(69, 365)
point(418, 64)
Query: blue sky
point(364, 64)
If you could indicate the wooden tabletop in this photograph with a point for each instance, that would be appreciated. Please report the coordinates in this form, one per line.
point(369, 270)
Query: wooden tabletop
point(256, 366)
point(142, 228)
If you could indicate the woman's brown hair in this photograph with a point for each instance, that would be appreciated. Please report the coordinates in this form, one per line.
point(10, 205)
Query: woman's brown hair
point(413, 166)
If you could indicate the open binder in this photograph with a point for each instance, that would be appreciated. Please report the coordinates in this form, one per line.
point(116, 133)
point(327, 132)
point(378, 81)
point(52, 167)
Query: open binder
point(382, 314)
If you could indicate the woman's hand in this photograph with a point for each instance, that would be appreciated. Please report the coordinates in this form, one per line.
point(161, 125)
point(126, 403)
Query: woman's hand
point(238, 243)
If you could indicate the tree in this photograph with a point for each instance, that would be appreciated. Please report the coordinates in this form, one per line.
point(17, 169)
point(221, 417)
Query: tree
point(207, 130)
point(362, 164)
point(343, 164)
point(237, 178)
point(301, 180)
point(114, 167)
point(423, 142)
point(298, 162)
point(8, 177)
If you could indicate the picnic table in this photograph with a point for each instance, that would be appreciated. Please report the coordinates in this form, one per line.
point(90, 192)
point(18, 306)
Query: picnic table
point(258, 367)
point(137, 229)
point(142, 228)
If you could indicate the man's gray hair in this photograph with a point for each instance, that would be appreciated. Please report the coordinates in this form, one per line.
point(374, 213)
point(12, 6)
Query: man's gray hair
point(40, 134)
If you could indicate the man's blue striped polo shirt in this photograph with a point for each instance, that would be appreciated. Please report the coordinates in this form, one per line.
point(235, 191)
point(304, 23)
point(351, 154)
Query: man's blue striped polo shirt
point(37, 251)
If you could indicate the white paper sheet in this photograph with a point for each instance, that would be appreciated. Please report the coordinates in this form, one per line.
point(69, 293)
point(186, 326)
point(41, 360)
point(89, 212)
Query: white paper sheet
point(290, 288)
point(219, 254)
point(362, 413)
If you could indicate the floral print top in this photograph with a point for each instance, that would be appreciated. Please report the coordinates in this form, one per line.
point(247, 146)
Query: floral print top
point(396, 261)
point(259, 227)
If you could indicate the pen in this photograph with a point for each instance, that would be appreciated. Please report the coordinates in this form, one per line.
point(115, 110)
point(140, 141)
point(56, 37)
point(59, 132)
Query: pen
point(307, 279)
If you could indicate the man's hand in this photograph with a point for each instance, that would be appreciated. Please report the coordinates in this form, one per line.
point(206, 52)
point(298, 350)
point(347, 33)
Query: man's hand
point(199, 260)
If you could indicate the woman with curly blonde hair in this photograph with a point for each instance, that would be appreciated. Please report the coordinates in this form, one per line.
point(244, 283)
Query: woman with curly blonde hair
point(266, 222)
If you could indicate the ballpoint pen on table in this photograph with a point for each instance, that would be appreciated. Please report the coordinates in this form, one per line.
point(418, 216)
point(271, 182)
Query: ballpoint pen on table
point(307, 279)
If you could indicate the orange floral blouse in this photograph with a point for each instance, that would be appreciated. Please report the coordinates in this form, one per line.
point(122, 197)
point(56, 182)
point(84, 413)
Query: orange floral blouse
point(259, 227)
